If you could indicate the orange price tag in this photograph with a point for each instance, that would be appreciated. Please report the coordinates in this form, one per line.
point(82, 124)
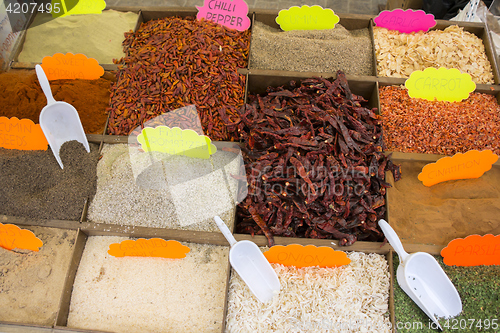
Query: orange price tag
point(472, 164)
point(306, 256)
point(472, 250)
point(22, 134)
point(12, 237)
point(71, 66)
point(154, 247)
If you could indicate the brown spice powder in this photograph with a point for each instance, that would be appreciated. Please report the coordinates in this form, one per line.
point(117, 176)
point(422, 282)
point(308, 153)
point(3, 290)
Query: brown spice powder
point(445, 211)
point(22, 97)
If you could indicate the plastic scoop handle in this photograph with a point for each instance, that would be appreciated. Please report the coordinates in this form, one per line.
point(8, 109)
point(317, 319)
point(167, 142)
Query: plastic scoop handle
point(44, 83)
point(393, 239)
point(225, 230)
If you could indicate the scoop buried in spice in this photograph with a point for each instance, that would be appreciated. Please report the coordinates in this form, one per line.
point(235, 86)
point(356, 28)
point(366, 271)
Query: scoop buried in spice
point(421, 278)
point(251, 265)
point(59, 121)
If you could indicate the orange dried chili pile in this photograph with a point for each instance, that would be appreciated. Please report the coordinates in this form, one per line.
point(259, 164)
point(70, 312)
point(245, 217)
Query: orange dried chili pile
point(415, 125)
point(174, 62)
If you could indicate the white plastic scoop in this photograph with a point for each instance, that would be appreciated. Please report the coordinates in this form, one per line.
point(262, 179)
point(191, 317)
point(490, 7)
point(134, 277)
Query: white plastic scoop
point(251, 265)
point(421, 278)
point(59, 121)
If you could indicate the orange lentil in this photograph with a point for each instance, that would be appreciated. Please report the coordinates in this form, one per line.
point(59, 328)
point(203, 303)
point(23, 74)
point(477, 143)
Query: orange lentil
point(415, 125)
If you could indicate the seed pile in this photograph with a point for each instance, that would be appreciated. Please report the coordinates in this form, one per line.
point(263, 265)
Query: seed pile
point(326, 51)
point(351, 298)
point(314, 163)
point(35, 186)
point(415, 125)
point(191, 194)
point(173, 62)
point(398, 55)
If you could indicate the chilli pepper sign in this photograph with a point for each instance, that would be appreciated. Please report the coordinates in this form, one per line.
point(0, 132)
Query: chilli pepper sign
point(229, 13)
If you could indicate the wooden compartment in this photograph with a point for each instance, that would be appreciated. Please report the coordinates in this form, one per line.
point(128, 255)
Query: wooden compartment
point(475, 28)
point(348, 21)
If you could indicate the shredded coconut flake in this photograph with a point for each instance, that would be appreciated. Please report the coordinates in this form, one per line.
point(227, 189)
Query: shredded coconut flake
point(351, 298)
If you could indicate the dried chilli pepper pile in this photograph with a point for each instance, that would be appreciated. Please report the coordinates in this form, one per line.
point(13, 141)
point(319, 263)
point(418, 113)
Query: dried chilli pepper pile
point(174, 62)
point(415, 125)
point(314, 163)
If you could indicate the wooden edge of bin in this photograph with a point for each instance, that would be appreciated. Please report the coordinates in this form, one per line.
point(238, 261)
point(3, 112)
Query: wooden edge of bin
point(78, 247)
point(392, 310)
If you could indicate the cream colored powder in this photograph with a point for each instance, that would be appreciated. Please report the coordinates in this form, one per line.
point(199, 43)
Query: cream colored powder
point(98, 36)
point(186, 202)
point(351, 298)
point(134, 294)
point(31, 283)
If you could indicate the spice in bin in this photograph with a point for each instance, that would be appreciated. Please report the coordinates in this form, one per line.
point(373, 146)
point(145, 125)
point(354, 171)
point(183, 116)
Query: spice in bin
point(98, 36)
point(314, 163)
point(415, 125)
point(22, 97)
point(137, 294)
point(174, 62)
point(353, 298)
point(326, 51)
point(398, 54)
point(32, 282)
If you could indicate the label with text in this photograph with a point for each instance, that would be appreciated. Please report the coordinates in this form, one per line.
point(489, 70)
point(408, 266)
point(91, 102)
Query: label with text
point(229, 13)
point(472, 164)
point(405, 21)
point(306, 256)
point(307, 18)
point(175, 141)
point(22, 134)
point(473, 250)
point(440, 84)
point(154, 247)
point(71, 66)
point(12, 237)
point(79, 8)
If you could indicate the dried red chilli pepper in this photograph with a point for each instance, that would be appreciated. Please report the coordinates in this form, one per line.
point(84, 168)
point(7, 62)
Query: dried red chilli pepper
point(314, 163)
point(174, 62)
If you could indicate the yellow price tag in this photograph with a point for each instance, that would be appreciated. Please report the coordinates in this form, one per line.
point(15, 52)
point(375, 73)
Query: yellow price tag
point(307, 18)
point(441, 84)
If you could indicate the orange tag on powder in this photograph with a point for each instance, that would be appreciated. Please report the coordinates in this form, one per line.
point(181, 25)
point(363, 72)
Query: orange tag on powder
point(12, 237)
point(71, 66)
point(472, 164)
point(22, 134)
point(472, 250)
point(154, 247)
point(306, 256)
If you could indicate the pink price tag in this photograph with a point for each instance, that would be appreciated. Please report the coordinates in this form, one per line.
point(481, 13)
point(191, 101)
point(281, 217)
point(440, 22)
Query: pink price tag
point(229, 13)
point(405, 21)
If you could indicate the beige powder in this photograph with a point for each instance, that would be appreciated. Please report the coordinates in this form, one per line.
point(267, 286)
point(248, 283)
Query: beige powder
point(98, 36)
point(442, 212)
point(31, 283)
point(134, 294)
